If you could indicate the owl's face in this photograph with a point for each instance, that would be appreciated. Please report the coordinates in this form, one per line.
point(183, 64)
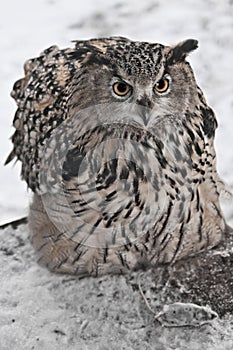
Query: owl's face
point(137, 83)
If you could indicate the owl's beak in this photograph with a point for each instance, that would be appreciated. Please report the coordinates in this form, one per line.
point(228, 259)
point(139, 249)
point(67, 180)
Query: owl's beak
point(144, 108)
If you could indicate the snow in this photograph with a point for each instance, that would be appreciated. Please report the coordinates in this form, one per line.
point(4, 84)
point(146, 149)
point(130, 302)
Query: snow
point(40, 310)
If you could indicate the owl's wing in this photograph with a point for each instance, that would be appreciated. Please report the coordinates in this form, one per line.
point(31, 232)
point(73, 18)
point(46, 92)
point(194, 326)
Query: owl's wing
point(41, 97)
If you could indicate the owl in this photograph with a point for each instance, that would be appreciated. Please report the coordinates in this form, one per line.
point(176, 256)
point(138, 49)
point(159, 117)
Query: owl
point(116, 142)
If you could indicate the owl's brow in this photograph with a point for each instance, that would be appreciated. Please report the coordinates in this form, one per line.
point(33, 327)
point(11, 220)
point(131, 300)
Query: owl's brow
point(137, 58)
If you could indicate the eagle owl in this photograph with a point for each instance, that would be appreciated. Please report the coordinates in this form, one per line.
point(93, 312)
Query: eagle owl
point(116, 141)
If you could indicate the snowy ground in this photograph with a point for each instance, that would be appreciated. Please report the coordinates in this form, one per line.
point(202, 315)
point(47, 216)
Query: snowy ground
point(39, 310)
point(44, 311)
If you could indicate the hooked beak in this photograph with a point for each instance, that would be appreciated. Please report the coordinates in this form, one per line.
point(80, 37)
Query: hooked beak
point(144, 108)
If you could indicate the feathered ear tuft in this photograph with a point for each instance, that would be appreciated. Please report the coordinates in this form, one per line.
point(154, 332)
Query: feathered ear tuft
point(181, 50)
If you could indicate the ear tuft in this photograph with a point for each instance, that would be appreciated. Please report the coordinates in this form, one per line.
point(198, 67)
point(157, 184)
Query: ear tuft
point(181, 50)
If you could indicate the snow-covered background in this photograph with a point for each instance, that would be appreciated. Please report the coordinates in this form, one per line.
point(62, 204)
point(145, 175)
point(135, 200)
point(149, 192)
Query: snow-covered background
point(27, 27)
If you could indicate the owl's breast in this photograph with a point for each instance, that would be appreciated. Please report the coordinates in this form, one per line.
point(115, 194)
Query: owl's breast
point(118, 185)
point(122, 188)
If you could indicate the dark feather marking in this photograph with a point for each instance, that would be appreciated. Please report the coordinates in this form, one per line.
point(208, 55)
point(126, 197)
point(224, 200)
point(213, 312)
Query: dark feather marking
point(209, 121)
point(124, 174)
point(67, 190)
point(137, 199)
point(128, 213)
point(61, 263)
point(216, 208)
point(142, 206)
point(77, 246)
point(200, 228)
point(113, 217)
point(110, 195)
point(121, 259)
point(98, 188)
point(178, 246)
point(78, 256)
point(110, 180)
point(189, 216)
point(127, 248)
point(198, 200)
point(76, 201)
point(105, 254)
point(145, 246)
point(197, 149)
point(80, 211)
point(135, 185)
point(96, 224)
point(136, 248)
point(162, 160)
point(191, 134)
point(105, 172)
point(165, 221)
point(42, 246)
point(128, 205)
point(114, 238)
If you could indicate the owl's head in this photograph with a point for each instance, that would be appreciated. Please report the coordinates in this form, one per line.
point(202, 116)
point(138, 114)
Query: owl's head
point(141, 82)
point(128, 97)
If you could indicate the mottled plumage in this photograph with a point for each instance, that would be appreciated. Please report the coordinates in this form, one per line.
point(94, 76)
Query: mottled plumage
point(116, 142)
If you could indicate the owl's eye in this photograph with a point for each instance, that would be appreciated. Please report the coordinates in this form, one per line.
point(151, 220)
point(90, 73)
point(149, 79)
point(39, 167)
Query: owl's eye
point(121, 89)
point(162, 86)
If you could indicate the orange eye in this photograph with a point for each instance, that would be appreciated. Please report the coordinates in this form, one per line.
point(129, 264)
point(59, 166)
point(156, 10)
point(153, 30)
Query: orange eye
point(162, 86)
point(121, 89)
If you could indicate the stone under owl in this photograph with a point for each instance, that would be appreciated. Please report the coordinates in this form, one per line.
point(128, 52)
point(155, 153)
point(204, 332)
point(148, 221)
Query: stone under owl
point(116, 142)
